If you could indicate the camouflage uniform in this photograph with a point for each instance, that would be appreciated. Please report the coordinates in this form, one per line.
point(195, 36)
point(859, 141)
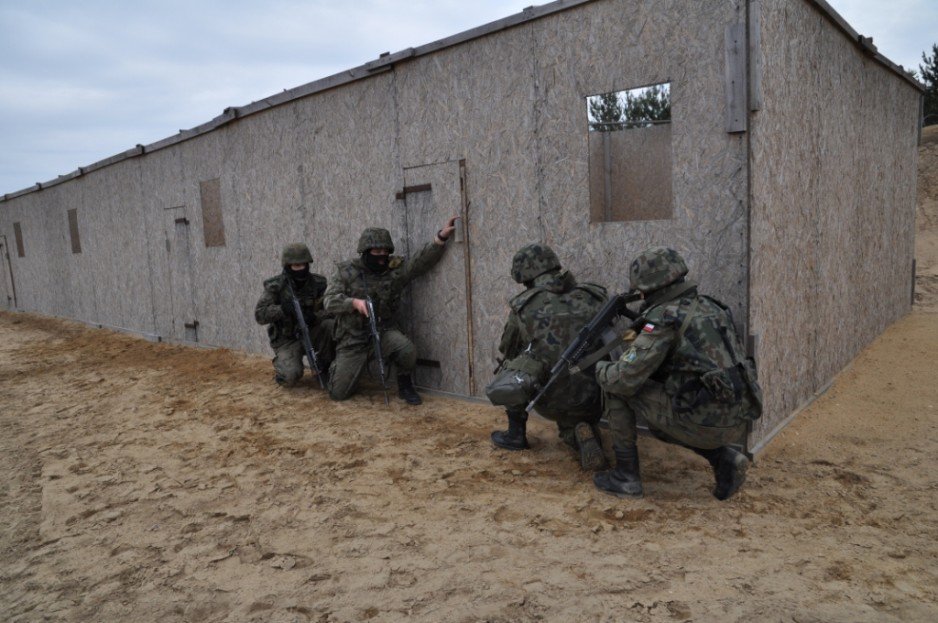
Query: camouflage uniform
point(354, 280)
point(543, 320)
point(685, 373)
point(282, 328)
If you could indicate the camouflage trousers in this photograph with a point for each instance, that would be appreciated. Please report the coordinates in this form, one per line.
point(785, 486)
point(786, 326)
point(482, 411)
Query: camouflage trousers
point(652, 404)
point(351, 361)
point(288, 358)
point(566, 420)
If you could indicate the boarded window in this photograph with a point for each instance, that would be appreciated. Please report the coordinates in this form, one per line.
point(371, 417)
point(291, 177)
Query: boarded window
point(73, 230)
point(18, 234)
point(213, 227)
point(630, 154)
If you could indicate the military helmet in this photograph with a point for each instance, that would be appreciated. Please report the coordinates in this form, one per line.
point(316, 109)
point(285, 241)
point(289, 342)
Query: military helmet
point(296, 253)
point(375, 238)
point(656, 268)
point(533, 260)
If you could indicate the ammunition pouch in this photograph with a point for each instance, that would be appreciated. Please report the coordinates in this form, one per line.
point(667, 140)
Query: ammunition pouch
point(516, 383)
point(723, 386)
point(727, 387)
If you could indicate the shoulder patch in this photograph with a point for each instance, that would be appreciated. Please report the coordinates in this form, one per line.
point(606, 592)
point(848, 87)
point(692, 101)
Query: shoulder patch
point(395, 261)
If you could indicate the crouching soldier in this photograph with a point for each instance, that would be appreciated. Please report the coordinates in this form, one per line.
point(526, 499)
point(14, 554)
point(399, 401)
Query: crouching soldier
point(686, 374)
point(275, 309)
point(377, 275)
point(543, 320)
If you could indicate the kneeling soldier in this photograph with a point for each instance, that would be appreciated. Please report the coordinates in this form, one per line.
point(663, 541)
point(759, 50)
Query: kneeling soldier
point(686, 374)
point(275, 309)
point(544, 319)
point(377, 275)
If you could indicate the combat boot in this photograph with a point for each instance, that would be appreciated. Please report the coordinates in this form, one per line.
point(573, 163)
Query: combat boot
point(625, 480)
point(590, 448)
point(406, 391)
point(729, 470)
point(515, 437)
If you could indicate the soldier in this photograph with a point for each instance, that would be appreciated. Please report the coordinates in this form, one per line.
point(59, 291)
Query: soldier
point(685, 373)
point(275, 309)
point(381, 276)
point(543, 320)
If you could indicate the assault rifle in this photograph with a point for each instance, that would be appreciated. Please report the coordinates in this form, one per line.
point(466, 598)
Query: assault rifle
point(587, 338)
point(303, 330)
point(376, 337)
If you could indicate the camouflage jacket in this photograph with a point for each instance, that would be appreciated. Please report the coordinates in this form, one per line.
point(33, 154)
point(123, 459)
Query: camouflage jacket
point(544, 319)
point(689, 344)
point(353, 280)
point(282, 328)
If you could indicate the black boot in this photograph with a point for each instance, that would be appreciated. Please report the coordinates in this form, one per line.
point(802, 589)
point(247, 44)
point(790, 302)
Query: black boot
point(729, 470)
point(405, 389)
point(589, 447)
point(625, 480)
point(514, 438)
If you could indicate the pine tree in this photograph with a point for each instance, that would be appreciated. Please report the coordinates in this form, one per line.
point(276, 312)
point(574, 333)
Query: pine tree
point(928, 74)
point(605, 112)
point(650, 105)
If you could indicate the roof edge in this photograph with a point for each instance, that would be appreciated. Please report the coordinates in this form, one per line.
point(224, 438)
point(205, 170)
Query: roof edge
point(864, 44)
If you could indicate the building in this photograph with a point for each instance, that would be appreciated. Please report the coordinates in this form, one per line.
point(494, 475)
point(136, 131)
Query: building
point(785, 173)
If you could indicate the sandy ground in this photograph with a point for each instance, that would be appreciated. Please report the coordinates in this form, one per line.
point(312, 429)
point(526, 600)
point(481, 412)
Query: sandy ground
point(148, 482)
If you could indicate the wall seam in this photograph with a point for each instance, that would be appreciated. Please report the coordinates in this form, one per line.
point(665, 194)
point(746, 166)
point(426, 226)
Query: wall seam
point(144, 221)
point(538, 157)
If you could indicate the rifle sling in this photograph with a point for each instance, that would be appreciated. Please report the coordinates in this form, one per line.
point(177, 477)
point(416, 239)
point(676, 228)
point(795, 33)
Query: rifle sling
point(589, 360)
point(586, 362)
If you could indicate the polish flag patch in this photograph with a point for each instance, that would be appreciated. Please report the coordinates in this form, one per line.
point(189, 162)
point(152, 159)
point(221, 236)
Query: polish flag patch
point(648, 328)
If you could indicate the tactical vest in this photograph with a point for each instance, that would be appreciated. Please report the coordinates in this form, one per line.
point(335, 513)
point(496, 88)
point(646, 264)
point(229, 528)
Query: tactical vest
point(286, 330)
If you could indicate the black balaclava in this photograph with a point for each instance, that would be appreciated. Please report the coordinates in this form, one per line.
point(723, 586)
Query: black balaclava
point(298, 276)
point(375, 263)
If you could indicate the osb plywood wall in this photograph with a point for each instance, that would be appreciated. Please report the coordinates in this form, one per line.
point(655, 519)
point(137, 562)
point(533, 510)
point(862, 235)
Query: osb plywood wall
point(833, 183)
point(630, 174)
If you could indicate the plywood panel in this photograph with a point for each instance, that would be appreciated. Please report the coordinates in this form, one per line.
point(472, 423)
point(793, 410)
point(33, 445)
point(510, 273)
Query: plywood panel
point(438, 310)
point(833, 167)
point(630, 174)
point(476, 102)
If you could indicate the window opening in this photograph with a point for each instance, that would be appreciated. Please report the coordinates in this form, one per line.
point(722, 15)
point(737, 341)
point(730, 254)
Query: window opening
point(630, 154)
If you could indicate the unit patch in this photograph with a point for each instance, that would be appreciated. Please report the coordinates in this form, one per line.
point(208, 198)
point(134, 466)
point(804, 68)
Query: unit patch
point(648, 328)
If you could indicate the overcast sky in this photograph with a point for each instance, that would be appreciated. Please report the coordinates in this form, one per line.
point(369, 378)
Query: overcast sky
point(84, 80)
